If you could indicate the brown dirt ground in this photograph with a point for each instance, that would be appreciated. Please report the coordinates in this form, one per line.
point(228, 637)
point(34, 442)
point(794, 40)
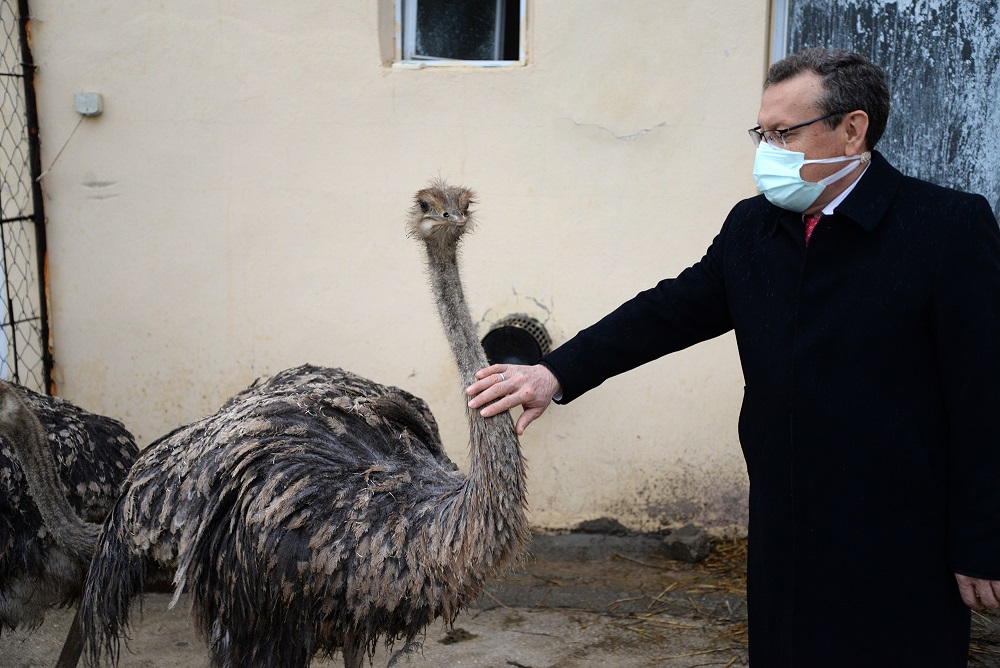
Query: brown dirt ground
point(578, 601)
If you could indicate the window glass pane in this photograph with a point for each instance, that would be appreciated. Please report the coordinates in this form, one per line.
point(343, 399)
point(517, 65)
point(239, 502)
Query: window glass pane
point(458, 29)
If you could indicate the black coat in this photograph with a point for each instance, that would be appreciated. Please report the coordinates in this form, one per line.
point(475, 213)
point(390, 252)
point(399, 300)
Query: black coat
point(871, 415)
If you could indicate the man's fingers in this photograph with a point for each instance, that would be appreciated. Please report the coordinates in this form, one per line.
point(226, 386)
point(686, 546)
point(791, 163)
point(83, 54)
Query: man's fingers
point(527, 417)
point(495, 408)
point(978, 593)
point(989, 592)
point(489, 377)
point(968, 592)
point(490, 370)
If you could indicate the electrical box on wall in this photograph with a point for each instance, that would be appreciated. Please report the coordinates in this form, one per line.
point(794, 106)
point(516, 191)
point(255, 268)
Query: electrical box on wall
point(89, 104)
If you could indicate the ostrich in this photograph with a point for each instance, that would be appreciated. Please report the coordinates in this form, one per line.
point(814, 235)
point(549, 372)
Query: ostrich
point(316, 511)
point(60, 468)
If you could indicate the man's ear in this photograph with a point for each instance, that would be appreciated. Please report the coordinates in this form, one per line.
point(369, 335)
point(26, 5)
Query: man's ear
point(856, 127)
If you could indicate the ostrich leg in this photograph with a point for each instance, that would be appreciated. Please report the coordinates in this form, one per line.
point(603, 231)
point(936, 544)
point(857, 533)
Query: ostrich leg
point(354, 656)
point(73, 647)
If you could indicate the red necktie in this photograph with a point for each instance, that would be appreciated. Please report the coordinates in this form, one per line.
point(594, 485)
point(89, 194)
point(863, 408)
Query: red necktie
point(811, 225)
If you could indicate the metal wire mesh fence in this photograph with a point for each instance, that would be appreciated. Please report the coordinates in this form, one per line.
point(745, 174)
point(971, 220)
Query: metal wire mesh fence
point(24, 346)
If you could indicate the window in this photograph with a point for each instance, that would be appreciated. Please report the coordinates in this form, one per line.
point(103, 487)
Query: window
point(466, 32)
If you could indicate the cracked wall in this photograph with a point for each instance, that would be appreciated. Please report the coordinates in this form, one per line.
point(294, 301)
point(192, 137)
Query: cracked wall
point(238, 209)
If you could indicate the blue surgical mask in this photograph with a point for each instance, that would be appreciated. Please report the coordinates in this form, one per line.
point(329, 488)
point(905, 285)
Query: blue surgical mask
point(777, 174)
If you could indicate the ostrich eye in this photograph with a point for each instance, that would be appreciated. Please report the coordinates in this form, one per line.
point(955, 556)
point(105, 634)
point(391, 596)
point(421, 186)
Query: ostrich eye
point(424, 206)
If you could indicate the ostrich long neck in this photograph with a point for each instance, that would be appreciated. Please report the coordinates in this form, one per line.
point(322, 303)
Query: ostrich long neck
point(495, 489)
point(21, 429)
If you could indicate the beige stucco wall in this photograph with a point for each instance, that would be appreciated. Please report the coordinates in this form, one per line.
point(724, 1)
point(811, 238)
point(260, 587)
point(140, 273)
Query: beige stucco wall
point(238, 208)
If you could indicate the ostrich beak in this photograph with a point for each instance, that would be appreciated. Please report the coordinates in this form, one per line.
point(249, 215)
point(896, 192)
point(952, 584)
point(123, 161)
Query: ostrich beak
point(451, 219)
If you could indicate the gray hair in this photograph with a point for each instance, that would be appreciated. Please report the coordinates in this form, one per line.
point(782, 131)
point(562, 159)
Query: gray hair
point(850, 82)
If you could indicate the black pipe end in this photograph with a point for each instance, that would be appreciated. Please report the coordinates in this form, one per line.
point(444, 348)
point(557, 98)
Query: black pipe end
point(516, 339)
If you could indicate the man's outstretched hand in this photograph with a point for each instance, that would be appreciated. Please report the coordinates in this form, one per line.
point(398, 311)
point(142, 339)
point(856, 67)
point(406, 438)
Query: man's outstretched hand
point(503, 386)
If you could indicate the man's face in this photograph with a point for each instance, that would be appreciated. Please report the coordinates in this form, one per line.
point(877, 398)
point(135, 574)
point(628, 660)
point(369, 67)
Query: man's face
point(793, 101)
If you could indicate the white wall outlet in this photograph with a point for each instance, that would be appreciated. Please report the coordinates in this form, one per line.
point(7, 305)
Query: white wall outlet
point(89, 104)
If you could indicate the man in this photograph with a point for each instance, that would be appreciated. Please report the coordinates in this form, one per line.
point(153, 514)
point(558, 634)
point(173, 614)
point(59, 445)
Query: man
point(871, 417)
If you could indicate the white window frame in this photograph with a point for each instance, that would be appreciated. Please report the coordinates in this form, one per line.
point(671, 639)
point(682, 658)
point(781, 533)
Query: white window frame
point(779, 30)
point(406, 39)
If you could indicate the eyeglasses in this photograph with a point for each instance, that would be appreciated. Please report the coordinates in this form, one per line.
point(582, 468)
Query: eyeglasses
point(777, 137)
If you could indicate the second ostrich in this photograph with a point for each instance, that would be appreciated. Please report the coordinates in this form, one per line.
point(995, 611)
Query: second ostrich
point(316, 512)
point(60, 467)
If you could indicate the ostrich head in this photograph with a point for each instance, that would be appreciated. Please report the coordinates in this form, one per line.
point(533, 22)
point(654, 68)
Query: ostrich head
point(440, 214)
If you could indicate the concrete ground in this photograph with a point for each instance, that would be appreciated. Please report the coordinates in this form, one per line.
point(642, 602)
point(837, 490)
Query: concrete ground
point(579, 601)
